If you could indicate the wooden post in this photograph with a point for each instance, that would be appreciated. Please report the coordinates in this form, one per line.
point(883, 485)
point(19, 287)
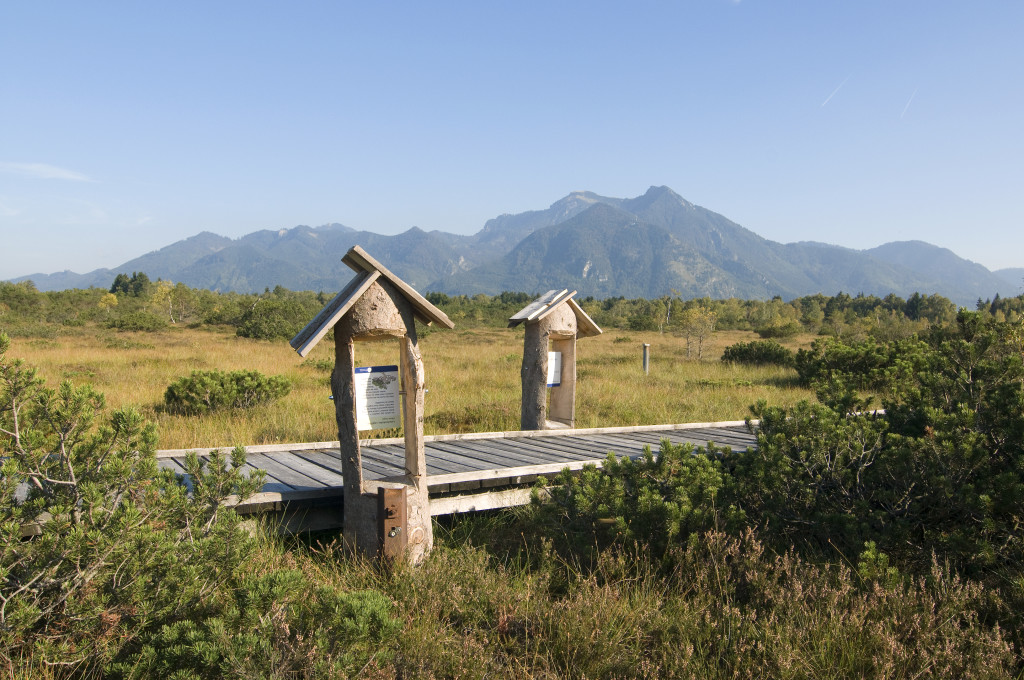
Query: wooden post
point(533, 415)
point(647, 359)
point(420, 528)
point(358, 531)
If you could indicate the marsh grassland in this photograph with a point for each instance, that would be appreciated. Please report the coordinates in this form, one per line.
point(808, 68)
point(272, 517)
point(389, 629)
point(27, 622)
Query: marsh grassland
point(472, 378)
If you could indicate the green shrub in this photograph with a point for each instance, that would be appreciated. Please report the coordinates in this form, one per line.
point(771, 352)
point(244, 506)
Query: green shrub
point(138, 321)
point(111, 525)
point(205, 391)
point(780, 330)
point(280, 624)
point(657, 501)
point(276, 317)
point(758, 353)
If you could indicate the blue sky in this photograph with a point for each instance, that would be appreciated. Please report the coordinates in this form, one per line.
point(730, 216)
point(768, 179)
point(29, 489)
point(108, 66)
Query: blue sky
point(126, 126)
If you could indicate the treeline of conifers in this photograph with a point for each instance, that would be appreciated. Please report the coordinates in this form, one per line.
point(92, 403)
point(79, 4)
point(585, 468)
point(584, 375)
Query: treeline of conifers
point(136, 303)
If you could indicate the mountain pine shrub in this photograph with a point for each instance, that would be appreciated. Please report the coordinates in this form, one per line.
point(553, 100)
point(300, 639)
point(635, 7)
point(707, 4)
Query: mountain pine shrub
point(758, 353)
point(205, 391)
point(131, 574)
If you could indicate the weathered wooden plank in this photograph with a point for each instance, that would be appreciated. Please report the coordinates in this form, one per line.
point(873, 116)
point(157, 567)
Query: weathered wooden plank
point(271, 484)
point(635, 443)
point(508, 481)
point(324, 458)
point(721, 436)
point(566, 450)
point(536, 470)
point(390, 458)
point(528, 455)
point(331, 460)
point(652, 439)
point(465, 460)
point(489, 456)
point(372, 472)
point(296, 480)
point(578, 446)
point(737, 425)
point(171, 464)
point(256, 448)
point(586, 445)
point(547, 449)
point(291, 496)
point(393, 459)
point(620, 444)
point(504, 498)
point(301, 465)
point(568, 432)
point(451, 462)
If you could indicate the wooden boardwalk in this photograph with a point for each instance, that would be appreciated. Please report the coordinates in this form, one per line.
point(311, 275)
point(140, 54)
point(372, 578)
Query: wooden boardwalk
point(466, 472)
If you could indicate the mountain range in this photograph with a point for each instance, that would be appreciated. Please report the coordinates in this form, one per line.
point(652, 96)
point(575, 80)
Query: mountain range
point(648, 246)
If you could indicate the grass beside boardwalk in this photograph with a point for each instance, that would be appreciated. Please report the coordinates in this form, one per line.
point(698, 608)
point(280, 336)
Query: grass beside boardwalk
point(490, 603)
point(472, 378)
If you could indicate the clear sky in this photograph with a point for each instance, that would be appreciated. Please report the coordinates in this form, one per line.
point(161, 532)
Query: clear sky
point(126, 126)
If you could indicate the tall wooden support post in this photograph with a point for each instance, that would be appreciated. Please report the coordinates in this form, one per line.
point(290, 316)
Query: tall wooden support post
point(421, 532)
point(342, 389)
point(388, 517)
point(553, 322)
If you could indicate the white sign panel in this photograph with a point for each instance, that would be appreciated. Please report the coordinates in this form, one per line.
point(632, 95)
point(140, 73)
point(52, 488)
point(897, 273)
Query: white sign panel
point(377, 401)
point(554, 369)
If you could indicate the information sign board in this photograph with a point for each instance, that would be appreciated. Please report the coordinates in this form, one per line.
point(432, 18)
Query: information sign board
point(554, 369)
point(377, 399)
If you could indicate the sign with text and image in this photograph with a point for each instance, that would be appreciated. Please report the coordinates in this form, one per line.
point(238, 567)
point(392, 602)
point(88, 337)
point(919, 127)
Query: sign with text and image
point(377, 399)
point(554, 369)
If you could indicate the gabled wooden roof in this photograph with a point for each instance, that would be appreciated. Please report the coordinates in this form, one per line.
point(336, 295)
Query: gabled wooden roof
point(367, 271)
point(549, 302)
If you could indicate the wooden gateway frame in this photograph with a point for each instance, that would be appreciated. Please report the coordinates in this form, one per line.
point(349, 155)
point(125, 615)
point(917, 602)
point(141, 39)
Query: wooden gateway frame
point(393, 517)
point(553, 322)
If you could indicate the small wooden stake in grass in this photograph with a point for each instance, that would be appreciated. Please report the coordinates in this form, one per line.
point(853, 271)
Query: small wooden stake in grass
point(553, 322)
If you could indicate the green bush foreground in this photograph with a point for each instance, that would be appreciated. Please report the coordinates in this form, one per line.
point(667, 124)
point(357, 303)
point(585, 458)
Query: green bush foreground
point(130, 576)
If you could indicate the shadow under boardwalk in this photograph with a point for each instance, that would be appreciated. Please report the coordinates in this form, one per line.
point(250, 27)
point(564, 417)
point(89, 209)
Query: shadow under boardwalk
point(466, 472)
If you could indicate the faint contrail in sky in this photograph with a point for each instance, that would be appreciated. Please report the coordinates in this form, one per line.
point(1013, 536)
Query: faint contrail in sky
point(908, 103)
point(835, 90)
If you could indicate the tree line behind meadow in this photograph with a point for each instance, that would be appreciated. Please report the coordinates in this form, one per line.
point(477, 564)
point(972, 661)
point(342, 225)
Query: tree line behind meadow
point(136, 303)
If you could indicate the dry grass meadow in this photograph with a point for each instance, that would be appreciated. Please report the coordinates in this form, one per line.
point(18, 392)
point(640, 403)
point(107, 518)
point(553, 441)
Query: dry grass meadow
point(472, 378)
